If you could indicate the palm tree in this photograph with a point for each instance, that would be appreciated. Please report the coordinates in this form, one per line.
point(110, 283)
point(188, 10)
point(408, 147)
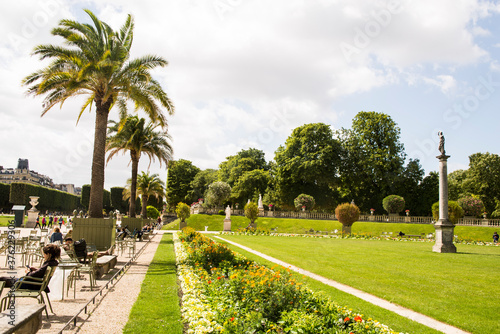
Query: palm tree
point(149, 185)
point(131, 134)
point(96, 64)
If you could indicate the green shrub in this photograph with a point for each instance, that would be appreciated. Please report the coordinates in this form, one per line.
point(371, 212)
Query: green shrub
point(183, 211)
point(222, 213)
point(152, 212)
point(347, 213)
point(455, 211)
point(393, 203)
point(304, 201)
point(251, 212)
point(472, 206)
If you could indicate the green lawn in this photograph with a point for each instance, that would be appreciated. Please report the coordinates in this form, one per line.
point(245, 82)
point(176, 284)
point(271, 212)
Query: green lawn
point(459, 289)
point(157, 307)
point(4, 220)
point(300, 226)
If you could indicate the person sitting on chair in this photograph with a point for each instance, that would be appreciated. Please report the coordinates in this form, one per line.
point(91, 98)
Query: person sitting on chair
point(51, 253)
point(56, 235)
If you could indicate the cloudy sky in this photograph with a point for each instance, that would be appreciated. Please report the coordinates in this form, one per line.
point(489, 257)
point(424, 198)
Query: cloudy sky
point(244, 73)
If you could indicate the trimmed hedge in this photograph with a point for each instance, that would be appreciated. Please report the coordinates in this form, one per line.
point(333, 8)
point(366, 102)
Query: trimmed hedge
point(85, 195)
point(5, 205)
point(117, 201)
point(50, 199)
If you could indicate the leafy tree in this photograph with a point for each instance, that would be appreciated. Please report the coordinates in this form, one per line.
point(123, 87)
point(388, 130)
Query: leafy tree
point(455, 211)
point(304, 201)
point(200, 183)
point(471, 205)
point(455, 182)
point(250, 185)
point(152, 212)
point(372, 159)
point(428, 193)
point(393, 203)
point(183, 211)
point(180, 175)
point(308, 163)
point(408, 184)
point(149, 185)
point(217, 193)
point(98, 64)
point(483, 178)
point(236, 165)
point(133, 135)
point(252, 213)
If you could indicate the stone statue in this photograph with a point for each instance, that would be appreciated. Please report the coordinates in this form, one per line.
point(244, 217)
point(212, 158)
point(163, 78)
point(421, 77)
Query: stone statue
point(441, 143)
point(228, 212)
point(260, 205)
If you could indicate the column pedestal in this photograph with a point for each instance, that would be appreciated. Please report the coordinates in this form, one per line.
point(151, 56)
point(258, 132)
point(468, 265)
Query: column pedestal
point(227, 225)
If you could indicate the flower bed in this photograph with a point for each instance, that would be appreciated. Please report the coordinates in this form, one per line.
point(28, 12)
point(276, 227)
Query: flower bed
point(225, 293)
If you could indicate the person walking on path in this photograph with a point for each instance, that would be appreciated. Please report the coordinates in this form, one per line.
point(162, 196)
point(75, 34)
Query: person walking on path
point(51, 220)
point(61, 221)
point(44, 222)
point(37, 223)
point(495, 237)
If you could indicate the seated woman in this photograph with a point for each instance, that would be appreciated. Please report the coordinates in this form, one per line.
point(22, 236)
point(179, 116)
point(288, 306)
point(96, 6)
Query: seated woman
point(56, 236)
point(51, 253)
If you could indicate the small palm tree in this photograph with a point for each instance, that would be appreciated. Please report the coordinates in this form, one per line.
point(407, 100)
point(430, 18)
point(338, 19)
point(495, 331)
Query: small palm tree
point(97, 64)
point(149, 185)
point(133, 135)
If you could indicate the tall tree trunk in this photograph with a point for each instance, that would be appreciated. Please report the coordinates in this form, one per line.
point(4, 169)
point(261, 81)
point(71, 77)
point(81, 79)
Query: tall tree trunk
point(144, 212)
point(97, 180)
point(133, 184)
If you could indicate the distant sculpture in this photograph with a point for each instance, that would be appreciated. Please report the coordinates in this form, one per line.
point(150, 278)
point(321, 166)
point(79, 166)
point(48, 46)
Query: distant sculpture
point(441, 143)
point(228, 212)
point(260, 205)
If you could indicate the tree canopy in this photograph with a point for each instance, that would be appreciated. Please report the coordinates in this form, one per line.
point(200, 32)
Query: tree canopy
point(97, 64)
point(180, 175)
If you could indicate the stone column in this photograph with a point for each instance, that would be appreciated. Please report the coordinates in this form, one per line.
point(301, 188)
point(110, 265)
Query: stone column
point(444, 228)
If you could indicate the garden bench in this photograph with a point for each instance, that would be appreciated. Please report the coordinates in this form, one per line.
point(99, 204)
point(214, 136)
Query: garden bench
point(104, 264)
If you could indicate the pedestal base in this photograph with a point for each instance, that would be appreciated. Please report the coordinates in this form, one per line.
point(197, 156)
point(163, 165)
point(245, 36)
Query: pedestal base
point(444, 237)
point(32, 216)
point(261, 212)
point(227, 225)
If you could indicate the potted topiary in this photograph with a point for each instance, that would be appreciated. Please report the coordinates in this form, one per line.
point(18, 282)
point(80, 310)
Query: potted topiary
point(252, 213)
point(393, 204)
point(347, 214)
point(183, 212)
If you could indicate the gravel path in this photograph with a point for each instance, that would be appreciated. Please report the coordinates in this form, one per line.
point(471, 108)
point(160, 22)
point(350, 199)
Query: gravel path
point(110, 312)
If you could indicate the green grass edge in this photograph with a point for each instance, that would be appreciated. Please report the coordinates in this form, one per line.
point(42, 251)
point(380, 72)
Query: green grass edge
point(157, 307)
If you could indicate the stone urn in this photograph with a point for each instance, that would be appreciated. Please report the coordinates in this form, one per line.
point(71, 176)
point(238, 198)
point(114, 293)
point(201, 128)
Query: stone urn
point(34, 203)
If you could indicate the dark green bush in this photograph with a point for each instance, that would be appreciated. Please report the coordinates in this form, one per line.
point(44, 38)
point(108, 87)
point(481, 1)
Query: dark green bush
point(455, 211)
point(393, 203)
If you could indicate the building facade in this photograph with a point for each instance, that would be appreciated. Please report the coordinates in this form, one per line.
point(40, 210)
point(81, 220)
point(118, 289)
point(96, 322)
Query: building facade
point(23, 174)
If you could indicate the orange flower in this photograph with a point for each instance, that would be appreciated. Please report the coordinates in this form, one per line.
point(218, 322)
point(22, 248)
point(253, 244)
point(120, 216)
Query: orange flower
point(346, 319)
point(357, 318)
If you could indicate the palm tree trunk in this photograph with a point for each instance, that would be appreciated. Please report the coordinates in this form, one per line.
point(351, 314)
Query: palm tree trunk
point(97, 180)
point(144, 212)
point(133, 184)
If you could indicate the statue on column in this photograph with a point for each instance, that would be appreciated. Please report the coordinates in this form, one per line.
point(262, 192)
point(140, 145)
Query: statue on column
point(441, 143)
